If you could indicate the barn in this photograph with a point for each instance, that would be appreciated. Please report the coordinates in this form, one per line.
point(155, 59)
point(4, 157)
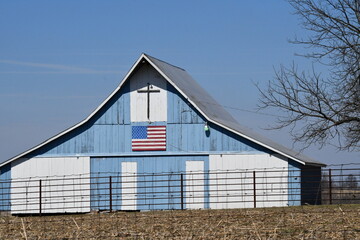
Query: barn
point(158, 141)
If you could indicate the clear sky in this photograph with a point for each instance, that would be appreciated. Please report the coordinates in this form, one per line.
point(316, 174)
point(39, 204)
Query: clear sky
point(60, 59)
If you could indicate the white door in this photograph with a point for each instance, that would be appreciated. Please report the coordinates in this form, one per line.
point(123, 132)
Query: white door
point(129, 185)
point(194, 184)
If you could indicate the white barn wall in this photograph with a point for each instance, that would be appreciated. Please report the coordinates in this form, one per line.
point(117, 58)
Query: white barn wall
point(65, 185)
point(235, 188)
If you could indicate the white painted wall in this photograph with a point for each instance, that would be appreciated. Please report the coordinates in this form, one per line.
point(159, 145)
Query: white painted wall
point(138, 101)
point(231, 181)
point(65, 185)
point(129, 185)
point(194, 185)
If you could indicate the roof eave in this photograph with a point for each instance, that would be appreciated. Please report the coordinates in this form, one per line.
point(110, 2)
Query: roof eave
point(224, 126)
point(80, 123)
point(130, 72)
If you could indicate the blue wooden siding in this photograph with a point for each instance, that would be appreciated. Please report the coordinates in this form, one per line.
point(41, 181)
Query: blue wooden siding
point(294, 183)
point(158, 181)
point(106, 132)
point(179, 109)
point(112, 138)
point(101, 169)
point(109, 131)
point(5, 183)
point(117, 110)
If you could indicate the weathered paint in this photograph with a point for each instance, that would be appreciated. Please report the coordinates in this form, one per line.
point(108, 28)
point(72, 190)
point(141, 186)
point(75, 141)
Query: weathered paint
point(117, 110)
point(5, 184)
point(180, 110)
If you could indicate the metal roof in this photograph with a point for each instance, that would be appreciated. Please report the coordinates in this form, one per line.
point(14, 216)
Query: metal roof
point(215, 113)
point(201, 100)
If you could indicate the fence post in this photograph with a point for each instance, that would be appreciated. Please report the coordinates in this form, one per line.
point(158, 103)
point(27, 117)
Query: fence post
point(330, 187)
point(110, 193)
point(182, 190)
point(40, 197)
point(254, 187)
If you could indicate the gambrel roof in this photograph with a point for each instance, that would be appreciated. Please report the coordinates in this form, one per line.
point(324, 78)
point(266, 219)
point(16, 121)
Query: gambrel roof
point(200, 100)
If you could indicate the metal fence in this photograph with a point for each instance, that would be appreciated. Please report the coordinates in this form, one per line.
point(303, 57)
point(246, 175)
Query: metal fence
point(187, 190)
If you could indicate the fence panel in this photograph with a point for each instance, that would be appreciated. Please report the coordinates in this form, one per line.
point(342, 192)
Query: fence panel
point(190, 190)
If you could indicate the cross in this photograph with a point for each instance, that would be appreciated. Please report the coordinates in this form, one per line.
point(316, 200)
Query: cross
point(148, 91)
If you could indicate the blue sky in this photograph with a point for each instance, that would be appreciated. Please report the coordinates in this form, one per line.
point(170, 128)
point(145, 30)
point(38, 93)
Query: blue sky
point(60, 59)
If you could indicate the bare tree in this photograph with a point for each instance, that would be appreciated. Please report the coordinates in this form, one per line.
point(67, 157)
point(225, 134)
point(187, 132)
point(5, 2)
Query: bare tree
point(351, 182)
point(325, 108)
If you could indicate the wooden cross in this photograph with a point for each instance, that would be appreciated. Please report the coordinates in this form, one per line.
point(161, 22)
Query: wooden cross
point(148, 91)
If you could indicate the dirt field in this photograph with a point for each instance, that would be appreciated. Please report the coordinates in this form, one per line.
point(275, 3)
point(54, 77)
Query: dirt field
point(308, 222)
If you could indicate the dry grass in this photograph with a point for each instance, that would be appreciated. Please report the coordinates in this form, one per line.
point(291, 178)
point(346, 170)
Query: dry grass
point(307, 222)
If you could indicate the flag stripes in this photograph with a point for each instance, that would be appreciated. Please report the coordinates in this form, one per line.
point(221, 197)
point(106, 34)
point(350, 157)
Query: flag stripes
point(148, 138)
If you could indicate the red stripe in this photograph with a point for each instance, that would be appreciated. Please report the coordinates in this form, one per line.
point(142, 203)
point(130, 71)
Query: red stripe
point(155, 141)
point(149, 149)
point(152, 145)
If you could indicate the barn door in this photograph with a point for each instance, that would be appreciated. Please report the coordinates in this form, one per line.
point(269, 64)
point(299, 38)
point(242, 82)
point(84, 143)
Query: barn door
point(194, 184)
point(129, 185)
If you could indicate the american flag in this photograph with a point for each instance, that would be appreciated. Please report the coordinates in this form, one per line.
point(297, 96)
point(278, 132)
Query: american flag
point(148, 138)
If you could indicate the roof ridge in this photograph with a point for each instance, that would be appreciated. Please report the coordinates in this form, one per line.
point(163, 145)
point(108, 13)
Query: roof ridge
point(200, 99)
point(151, 57)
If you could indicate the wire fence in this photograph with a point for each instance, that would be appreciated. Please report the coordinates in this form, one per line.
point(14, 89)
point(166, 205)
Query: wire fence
point(180, 191)
point(117, 205)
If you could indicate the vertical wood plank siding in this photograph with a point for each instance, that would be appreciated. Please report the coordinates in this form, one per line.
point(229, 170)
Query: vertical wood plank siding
point(110, 132)
point(294, 179)
point(155, 191)
point(5, 183)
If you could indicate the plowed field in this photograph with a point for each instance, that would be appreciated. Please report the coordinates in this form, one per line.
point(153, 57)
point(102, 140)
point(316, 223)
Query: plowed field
point(306, 222)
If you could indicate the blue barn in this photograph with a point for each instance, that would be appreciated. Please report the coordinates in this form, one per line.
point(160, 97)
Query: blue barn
point(131, 153)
